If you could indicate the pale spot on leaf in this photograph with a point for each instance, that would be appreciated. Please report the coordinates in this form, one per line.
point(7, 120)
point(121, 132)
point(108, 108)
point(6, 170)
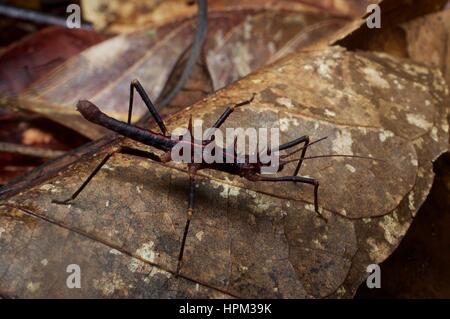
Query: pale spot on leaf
point(419, 120)
point(285, 102)
point(343, 142)
point(375, 78)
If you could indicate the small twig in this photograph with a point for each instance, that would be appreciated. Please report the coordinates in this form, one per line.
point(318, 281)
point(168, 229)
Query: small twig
point(200, 36)
point(29, 150)
point(35, 16)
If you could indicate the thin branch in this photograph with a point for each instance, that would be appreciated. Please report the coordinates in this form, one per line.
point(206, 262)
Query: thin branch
point(29, 150)
point(200, 36)
point(35, 16)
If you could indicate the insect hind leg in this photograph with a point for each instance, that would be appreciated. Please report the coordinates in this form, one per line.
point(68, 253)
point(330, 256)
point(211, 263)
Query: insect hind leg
point(86, 182)
point(121, 150)
point(190, 212)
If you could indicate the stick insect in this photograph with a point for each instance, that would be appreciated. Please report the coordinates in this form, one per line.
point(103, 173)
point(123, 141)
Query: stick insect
point(162, 141)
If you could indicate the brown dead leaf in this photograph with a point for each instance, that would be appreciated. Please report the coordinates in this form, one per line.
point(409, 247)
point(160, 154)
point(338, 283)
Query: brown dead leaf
point(428, 41)
point(31, 58)
point(246, 239)
point(238, 42)
point(20, 65)
point(127, 16)
point(414, 34)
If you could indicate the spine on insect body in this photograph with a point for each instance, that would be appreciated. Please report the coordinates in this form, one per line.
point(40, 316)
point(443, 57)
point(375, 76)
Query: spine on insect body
point(92, 113)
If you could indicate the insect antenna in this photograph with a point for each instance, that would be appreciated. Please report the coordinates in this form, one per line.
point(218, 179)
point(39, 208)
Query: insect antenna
point(336, 155)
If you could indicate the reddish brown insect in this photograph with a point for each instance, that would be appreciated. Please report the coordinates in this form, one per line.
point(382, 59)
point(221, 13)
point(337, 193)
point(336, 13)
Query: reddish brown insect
point(162, 141)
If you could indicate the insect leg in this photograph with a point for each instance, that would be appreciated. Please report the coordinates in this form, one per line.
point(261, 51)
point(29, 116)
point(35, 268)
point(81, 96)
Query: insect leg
point(230, 110)
point(302, 155)
point(297, 179)
point(305, 141)
point(78, 191)
point(135, 84)
point(190, 211)
point(293, 143)
point(140, 153)
point(123, 150)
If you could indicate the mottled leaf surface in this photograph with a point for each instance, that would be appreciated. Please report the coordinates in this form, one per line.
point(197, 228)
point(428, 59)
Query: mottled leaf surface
point(246, 239)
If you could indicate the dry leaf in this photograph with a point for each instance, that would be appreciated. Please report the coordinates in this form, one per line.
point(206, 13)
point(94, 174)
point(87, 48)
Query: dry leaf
point(238, 43)
point(127, 16)
point(20, 65)
point(31, 58)
point(246, 239)
point(428, 42)
point(414, 34)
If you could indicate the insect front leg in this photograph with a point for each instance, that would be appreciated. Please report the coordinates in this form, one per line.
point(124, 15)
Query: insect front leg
point(136, 85)
point(122, 150)
point(230, 110)
point(297, 179)
point(301, 140)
